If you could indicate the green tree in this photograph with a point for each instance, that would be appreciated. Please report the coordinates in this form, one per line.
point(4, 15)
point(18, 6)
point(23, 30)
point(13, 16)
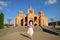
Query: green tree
point(1, 20)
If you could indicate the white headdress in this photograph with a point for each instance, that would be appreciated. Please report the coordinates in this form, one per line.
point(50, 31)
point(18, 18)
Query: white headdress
point(30, 23)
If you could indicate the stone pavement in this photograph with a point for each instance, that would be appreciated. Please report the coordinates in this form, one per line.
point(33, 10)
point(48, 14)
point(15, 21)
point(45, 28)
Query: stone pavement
point(22, 35)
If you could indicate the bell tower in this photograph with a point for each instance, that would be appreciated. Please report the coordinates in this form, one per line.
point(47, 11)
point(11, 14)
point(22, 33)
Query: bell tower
point(20, 13)
point(41, 13)
point(31, 10)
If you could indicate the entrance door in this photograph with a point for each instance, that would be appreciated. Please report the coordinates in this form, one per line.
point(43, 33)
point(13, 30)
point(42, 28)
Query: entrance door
point(31, 21)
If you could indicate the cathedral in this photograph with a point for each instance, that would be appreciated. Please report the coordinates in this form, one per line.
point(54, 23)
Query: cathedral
point(37, 19)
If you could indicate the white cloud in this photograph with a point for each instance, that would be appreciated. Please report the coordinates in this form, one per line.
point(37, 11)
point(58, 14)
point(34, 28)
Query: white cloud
point(51, 2)
point(3, 4)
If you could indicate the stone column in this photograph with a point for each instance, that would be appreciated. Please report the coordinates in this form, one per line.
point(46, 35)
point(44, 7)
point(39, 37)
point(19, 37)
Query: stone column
point(32, 20)
point(28, 21)
point(23, 21)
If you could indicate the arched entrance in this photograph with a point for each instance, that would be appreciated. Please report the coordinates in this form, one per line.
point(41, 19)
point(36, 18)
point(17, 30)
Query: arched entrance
point(21, 22)
point(30, 21)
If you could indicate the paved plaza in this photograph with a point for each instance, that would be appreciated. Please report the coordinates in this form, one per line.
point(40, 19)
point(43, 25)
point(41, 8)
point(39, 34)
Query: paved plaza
point(22, 35)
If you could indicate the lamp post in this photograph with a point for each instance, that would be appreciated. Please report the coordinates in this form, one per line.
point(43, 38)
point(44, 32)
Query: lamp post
point(52, 19)
point(9, 20)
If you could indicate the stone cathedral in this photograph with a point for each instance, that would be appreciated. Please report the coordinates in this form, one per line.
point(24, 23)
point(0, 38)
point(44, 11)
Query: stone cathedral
point(37, 19)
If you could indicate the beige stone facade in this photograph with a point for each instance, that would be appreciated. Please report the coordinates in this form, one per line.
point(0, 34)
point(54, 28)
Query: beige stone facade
point(23, 19)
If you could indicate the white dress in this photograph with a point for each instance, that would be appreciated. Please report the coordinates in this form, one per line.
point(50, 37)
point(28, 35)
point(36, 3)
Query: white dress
point(30, 31)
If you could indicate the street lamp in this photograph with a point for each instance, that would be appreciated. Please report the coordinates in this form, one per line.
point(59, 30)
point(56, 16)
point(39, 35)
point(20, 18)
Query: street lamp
point(9, 20)
point(52, 19)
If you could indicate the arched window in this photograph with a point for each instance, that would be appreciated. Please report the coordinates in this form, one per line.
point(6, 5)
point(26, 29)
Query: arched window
point(30, 11)
point(26, 24)
point(26, 19)
point(35, 18)
point(35, 24)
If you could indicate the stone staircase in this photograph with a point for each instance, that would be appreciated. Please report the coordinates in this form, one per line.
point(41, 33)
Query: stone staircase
point(36, 28)
point(17, 29)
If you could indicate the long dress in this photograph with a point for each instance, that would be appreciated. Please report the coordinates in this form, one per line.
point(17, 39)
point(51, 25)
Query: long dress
point(30, 30)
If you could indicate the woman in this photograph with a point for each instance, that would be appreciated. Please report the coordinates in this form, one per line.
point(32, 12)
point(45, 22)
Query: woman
point(30, 30)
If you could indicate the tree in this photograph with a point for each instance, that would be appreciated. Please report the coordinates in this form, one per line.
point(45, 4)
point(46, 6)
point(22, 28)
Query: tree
point(1, 20)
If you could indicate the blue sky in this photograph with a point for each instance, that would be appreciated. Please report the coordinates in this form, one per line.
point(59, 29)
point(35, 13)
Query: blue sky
point(10, 8)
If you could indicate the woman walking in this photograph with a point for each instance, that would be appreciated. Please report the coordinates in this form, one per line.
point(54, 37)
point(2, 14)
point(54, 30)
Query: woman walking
point(30, 30)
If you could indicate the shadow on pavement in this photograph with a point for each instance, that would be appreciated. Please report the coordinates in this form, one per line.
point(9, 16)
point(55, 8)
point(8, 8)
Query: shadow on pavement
point(25, 36)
